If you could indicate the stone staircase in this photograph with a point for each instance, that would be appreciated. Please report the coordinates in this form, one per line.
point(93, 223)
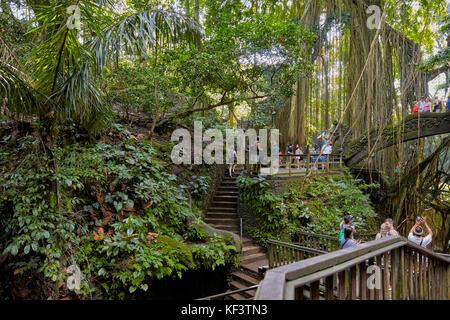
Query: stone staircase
point(222, 214)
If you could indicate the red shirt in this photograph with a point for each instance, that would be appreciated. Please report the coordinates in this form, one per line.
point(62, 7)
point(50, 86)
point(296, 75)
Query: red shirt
point(416, 108)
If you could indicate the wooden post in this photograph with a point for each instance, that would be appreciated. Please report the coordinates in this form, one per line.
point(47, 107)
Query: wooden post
point(416, 276)
point(299, 293)
point(308, 159)
point(363, 280)
point(342, 285)
point(408, 262)
point(315, 293)
point(386, 280)
point(394, 270)
point(289, 159)
point(329, 295)
point(404, 273)
point(270, 251)
point(353, 283)
point(379, 292)
point(372, 293)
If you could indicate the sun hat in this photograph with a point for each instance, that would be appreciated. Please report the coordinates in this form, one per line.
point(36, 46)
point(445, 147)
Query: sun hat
point(418, 231)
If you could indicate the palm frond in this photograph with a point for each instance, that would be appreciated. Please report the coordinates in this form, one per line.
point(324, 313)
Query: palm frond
point(82, 100)
point(137, 33)
point(19, 94)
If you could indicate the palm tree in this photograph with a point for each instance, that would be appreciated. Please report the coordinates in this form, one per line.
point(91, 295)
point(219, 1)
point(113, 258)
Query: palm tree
point(59, 83)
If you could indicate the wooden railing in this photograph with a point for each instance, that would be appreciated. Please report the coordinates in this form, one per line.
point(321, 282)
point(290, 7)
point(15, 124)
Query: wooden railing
point(282, 253)
point(291, 165)
point(320, 242)
point(411, 271)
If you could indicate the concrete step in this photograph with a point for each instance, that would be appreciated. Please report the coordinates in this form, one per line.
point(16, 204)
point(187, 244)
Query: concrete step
point(228, 189)
point(253, 258)
point(247, 241)
point(224, 204)
point(235, 285)
point(234, 229)
point(236, 296)
point(222, 209)
point(245, 279)
point(227, 194)
point(223, 221)
point(224, 214)
point(228, 179)
point(228, 183)
point(249, 250)
point(253, 268)
point(228, 198)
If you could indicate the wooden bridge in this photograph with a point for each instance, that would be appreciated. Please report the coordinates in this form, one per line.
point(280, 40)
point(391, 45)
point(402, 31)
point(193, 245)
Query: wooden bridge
point(406, 271)
point(414, 126)
point(291, 165)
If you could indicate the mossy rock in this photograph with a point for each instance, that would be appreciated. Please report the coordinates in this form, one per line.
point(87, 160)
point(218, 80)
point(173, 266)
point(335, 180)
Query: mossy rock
point(167, 245)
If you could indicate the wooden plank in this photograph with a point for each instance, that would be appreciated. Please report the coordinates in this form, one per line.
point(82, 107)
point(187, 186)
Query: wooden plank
point(426, 279)
point(315, 293)
point(395, 276)
point(270, 251)
point(299, 293)
point(416, 274)
point(410, 256)
point(329, 292)
point(372, 293)
point(420, 277)
point(386, 277)
point(379, 292)
point(403, 274)
point(441, 281)
point(353, 283)
point(431, 283)
point(363, 280)
point(446, 283)
point(341, 276)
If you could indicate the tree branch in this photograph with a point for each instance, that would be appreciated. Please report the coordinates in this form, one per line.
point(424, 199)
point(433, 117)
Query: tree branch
point(432, 74)
point(209, 107)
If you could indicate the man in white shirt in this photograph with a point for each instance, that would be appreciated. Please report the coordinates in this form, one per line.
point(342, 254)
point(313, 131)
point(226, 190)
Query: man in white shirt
point(416, 233)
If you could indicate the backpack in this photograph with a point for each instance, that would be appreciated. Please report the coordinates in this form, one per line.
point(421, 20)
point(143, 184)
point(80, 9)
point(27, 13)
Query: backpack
point(341, 235)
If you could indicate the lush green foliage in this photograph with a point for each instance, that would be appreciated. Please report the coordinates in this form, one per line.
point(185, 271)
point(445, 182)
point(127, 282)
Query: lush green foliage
point(316, 205)
point(117, 214)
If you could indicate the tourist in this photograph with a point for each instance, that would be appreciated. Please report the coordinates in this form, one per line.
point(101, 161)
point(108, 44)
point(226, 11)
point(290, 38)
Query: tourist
point(416, 233)
point(314, 158)
point(416, 107)
point(385, 232)
point(346, 223)
point(422, 104)
point(437, 105)
point(390, 222)
point(289, 151)
point(348, 240)
point(232, 160)
point(427, 105)
point(447, 107)
point(298, 159)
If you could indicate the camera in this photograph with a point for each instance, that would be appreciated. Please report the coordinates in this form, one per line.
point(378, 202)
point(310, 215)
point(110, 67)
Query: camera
point(419, 219)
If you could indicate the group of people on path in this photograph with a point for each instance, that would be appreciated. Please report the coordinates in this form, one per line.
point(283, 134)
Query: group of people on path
point(416, 234)
point(425, 105)
point(299, 158)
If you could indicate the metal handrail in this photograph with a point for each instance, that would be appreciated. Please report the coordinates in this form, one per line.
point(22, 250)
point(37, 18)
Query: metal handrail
point(225, 294)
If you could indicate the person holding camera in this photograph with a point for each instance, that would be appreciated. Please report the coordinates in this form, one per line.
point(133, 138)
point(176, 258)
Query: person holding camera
point(416, 233)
